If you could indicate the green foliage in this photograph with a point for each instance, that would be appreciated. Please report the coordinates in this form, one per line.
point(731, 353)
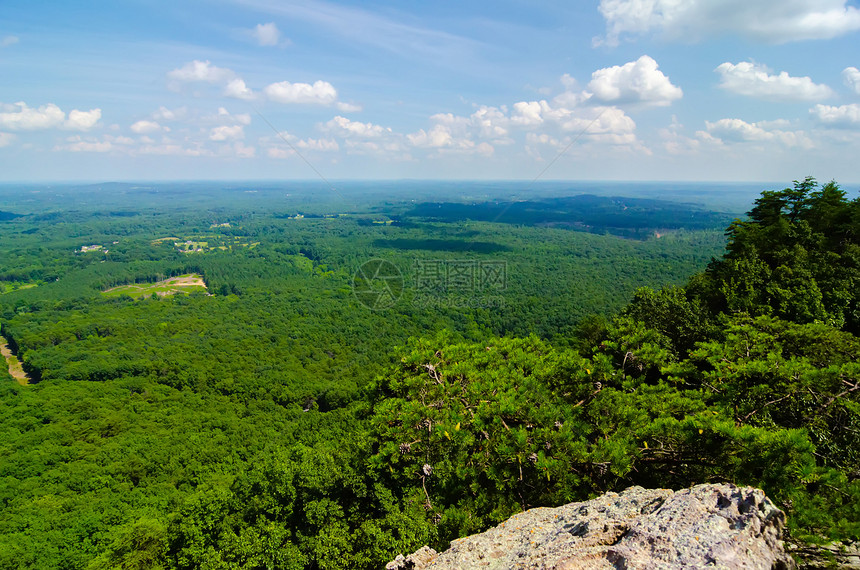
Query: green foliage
point(474, 432)
point(271, 424)
point(797, 257)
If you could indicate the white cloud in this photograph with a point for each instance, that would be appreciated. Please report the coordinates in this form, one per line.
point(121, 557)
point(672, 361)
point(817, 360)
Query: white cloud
point(224, 116)
point(346, 128)
point(20, 117)
point(774, 21)
point(310, 144)
point(439, 136)
point(267, 34)
point(165, 114)
point(453, 134)
point(278, 152)
point(490, 122)
point(347, 107)
point(601, 121)
point(324, 145)
point(243, 151)
point(6, 139)
point(83, 120)
point(8, 41)
point(125, 141)
point(227, 132)
point(145, 126)
point(78, 145)
point(529, 113)
point(844, 116)
point(634, 82)
point(851, 77)
point(172, 149)
point(674, 140)
point(754, 80)
point(739, 131)
point(320, 93)
point(485, 149)
point(201, 71)
point(237, 89)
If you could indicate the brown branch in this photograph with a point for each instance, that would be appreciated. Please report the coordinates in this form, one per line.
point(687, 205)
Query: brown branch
point(752, 413)
point(853, 388)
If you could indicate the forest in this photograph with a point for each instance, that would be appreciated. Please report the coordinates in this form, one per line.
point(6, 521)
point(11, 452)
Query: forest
point(527, 353)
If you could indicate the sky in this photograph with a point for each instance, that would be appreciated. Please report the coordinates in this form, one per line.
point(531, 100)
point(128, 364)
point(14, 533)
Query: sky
point(704, 90)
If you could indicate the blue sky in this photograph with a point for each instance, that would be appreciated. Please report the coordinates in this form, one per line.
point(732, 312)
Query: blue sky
point(604, 90)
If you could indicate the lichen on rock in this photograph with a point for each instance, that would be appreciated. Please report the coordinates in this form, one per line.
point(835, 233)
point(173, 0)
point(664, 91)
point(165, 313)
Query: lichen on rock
point(707, 526)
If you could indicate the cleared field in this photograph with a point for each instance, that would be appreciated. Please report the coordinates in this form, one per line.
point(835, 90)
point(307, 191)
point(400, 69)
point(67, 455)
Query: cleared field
point(9, 287)
point(180, 284)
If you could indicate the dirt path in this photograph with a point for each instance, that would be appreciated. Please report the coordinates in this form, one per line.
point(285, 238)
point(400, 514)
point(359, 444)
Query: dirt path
point(14, 366)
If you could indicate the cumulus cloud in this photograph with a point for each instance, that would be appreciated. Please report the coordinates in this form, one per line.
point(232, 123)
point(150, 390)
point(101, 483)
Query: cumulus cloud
point(437, 137)
point(458, 134)
point(227, 132)
point(634, 82)
point(6, 139)
point(739, 131)
point(774, 21)
point(851, 77)
point(8, 41)
point(443, 140)
point(237, 89)
point(347, 128)
point(611, 122)
point(529, 113)
point(200, 71)
point(844, 116)
point(320, 93)
point(204, 72)
point(145, 126)
point(278, 150)
point(21, 117)
point(490, 122)
point(83, 120)
point(267, 34)
point(755, 80)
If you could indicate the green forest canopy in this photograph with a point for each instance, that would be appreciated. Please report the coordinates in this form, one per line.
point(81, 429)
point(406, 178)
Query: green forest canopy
point(271, 422)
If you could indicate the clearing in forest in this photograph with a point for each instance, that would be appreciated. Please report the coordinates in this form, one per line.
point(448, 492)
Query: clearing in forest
point(179, 284)
point(15, 369)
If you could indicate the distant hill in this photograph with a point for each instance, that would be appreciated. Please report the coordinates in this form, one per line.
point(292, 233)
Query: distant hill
point(5, 216)
point(629, 217)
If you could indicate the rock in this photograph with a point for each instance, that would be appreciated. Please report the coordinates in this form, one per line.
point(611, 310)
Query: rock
point(418, 559)
point(708, 526)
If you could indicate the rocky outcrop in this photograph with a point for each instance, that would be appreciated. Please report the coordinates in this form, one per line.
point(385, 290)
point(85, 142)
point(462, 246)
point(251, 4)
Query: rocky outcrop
point(707, 526)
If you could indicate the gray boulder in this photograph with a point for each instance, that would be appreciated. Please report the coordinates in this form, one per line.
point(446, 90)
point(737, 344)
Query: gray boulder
point(707, 526)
